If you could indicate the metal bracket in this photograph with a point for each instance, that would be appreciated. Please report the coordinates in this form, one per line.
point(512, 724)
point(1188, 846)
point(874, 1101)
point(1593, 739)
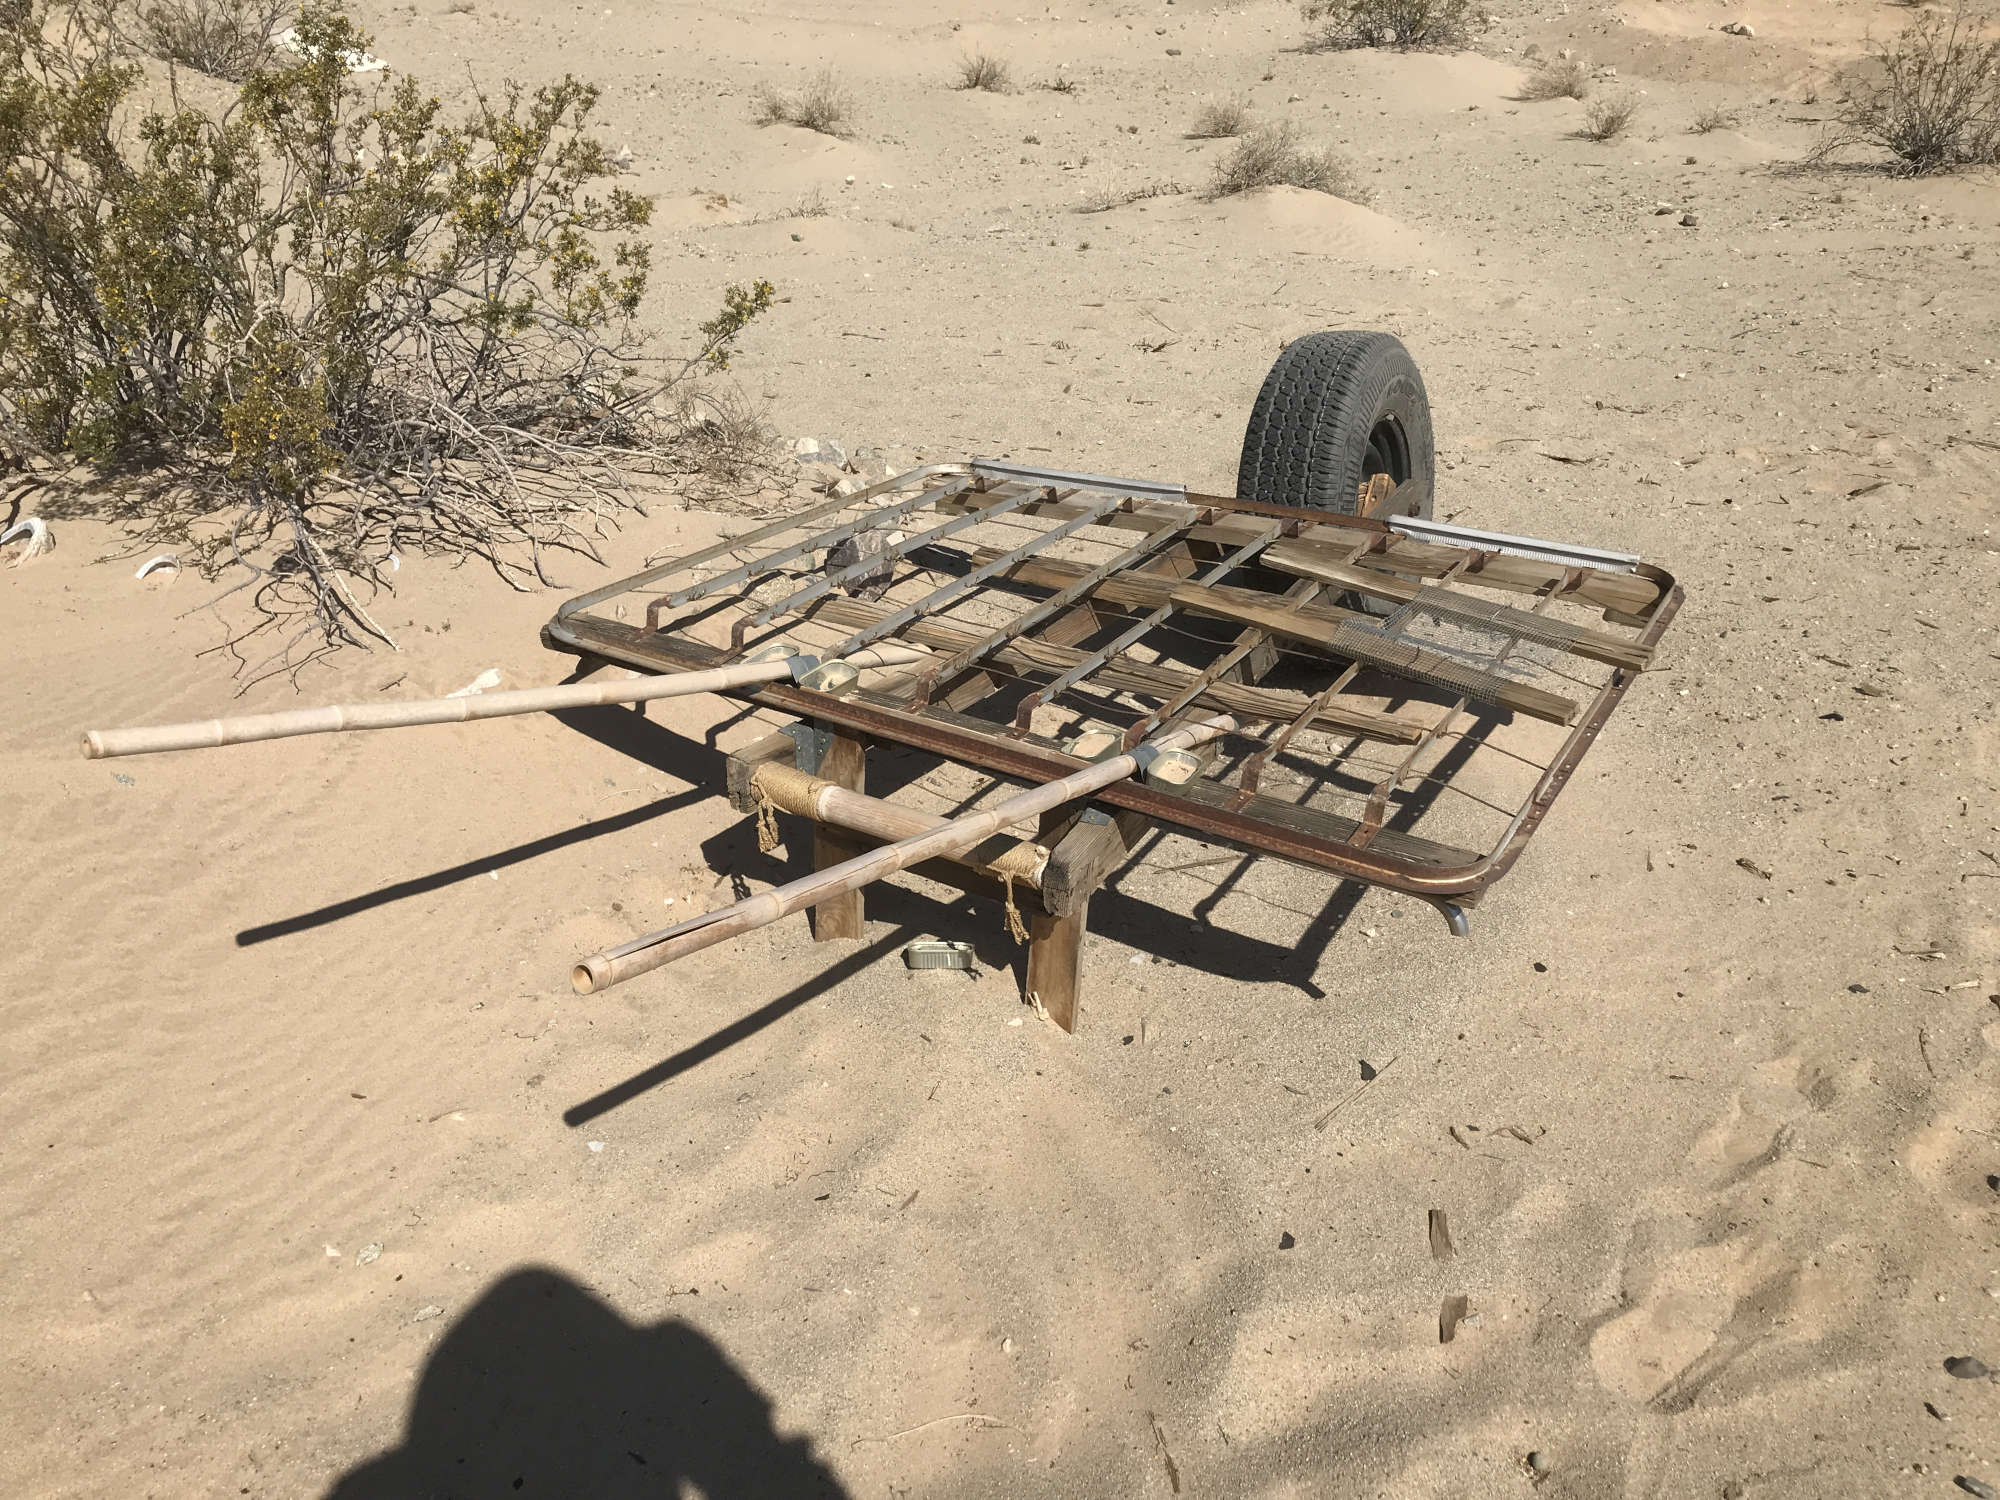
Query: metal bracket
point(1455, 917)
point(813, 743)
point(1096, 817)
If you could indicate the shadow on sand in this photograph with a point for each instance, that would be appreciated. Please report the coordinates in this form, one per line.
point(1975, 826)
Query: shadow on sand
point(542, 1390)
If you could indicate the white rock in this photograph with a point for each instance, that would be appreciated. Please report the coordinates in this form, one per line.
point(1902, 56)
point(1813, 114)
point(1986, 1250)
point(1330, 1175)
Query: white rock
point(820, 450)
point(490, 678)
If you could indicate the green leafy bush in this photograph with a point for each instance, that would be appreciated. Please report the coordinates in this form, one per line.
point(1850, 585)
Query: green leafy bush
point(349, 325)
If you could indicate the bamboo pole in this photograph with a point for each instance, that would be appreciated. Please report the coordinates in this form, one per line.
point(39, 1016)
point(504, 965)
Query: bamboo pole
point(101, 744)
point(800, 792)
point(615, 965)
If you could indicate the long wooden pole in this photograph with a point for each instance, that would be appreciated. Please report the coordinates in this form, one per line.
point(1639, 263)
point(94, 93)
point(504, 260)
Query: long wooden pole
point(615, 965)
point(99, 744)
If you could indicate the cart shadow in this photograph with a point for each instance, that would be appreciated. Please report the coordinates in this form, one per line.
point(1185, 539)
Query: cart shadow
point(624, 730)
point(541, 1388)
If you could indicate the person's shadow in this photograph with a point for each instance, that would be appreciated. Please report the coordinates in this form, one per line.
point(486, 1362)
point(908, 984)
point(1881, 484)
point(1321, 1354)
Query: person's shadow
point(542, 1390)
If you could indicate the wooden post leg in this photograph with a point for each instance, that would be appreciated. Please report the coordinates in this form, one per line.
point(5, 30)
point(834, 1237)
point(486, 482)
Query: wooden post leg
point(1055, 963)
point(839, 916)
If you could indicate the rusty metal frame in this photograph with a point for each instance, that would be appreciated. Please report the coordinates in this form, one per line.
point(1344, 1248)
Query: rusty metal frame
point(1238, 815)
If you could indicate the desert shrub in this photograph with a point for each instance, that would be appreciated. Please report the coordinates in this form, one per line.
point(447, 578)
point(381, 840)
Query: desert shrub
point(1062, 83)
point(982, 70)
point(1436, 25)
point(822, 105)
point(1931, 98)
point(1558, 78)
point(320, 328)
point(225, 38)
point(1273, 156)
point(1219, 119)
point(1606, 117)
point(1715, 117)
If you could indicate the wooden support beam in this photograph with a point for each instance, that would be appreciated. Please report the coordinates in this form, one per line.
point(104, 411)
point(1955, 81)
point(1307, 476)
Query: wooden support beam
point(1055, 965)
point(1085, 856)
point(742, 765)
point(839, 916)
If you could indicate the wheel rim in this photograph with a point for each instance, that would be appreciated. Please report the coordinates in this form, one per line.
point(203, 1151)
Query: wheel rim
point(1388, 451)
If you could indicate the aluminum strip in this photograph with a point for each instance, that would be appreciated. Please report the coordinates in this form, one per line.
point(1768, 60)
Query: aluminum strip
point(814, 543)
point(1513, 546)
point(799, 598)
point(939, 597)
point(1155, 489)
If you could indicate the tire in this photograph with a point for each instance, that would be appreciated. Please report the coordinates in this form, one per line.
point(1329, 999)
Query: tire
point(1336, 409)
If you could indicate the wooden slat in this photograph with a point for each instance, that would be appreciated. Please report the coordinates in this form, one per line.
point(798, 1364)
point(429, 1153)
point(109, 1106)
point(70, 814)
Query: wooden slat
point(1626, 594)
point(1316, 625)
point(1595, 645)
point(1139, 677)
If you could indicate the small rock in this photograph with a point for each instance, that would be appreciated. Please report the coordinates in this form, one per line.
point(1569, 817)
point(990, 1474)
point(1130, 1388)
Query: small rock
point(1173, 52)
point(1690, 219)
point(1688, 161)
point(820, 450)
point(367, 1255)
point(428, 1311)
point(1539, 1463)
point(1662, 208)
point(1965, 1367)
point(595, 1145)
point(798, 239)
point(1977, 1487)
point(820, 475)
point(1285, 1240)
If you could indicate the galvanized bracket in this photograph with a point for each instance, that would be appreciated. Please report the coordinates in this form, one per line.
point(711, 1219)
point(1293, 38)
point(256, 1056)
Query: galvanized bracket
point(813, 742)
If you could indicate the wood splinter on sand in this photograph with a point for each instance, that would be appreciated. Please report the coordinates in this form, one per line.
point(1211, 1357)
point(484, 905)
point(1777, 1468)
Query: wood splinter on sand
point(615, 965)
point(243, 729)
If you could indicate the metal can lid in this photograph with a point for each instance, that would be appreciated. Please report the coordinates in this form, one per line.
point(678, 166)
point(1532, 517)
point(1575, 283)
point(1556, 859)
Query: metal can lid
point(933, 953)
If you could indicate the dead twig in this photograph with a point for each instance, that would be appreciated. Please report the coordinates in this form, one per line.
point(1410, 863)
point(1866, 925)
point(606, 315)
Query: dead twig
point(957, 1416)
point(1322, 1122)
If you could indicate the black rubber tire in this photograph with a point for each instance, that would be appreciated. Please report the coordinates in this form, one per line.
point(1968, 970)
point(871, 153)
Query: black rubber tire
point(1336, 409)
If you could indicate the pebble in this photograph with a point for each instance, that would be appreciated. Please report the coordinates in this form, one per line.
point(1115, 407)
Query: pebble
point(1285, 1240)
point(367, 1255)
point(819, 450)
point(1966, 1367)
point(1977, 1487)
point(1690, 220)
point(1539, 1463)
point(428, 1311)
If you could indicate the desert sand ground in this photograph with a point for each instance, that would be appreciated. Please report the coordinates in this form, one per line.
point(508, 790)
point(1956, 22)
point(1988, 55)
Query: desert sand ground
point(318, 1179)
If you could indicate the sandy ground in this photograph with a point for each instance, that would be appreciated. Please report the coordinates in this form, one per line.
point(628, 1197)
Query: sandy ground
point(318, 1179)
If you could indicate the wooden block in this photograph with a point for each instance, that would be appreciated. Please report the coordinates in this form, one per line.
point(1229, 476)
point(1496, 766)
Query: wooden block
point(839, 916)
point(1084, 857)
point(1055, 964)
point(742, 765)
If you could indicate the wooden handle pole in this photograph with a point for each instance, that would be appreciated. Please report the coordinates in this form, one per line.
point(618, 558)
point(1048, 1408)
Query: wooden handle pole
point(99, 744)
point(615, 965)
